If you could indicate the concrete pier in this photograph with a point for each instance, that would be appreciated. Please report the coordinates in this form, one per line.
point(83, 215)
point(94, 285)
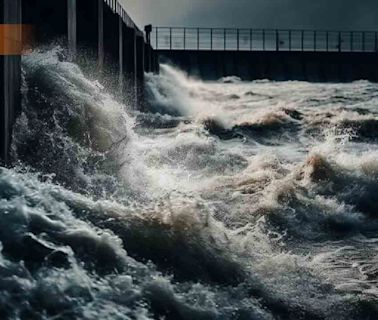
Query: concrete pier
point(93, 30)
point(98, 34)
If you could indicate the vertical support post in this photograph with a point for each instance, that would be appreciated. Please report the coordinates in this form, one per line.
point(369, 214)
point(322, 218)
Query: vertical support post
point(263, 34)
point(314, 40)
point(148, 30)
point(142, 54)
point(184, 38)
point(363, 41)
point(277, 41)
point(198, 38)
point(128, 64)
point(120, 57)
point(140, 68)
point(101, 52)
point(289, 40)
point(156, 62)
point(351, 42)
point(10, 79)
point(71, 29)
point(135, 70)
point(211, 39)
point(237, 40)
point(339, 41)
point(302, 40)
point(250, 39)
point(170, 38)
point(224, 39)
point(327, 41)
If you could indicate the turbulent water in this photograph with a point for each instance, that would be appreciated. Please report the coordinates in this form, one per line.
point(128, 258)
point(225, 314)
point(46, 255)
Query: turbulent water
point(225, 200)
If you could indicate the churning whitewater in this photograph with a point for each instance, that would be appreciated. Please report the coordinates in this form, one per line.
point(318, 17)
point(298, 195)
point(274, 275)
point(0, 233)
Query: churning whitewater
point(223, 200)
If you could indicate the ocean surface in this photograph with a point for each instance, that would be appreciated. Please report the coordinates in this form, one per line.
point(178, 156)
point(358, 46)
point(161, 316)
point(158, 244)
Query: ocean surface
point(223, 200)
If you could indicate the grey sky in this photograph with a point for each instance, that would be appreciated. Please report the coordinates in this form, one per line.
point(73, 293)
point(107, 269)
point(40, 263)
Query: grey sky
point(319, 14)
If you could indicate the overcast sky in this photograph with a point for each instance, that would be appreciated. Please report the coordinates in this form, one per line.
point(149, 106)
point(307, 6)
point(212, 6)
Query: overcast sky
point(319, 14)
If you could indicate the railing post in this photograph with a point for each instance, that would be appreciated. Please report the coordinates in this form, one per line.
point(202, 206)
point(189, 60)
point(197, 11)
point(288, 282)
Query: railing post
point(263, 39)
point(363, 41)
point(224, 39)
point(327, 41)
point(198, 38)
point(170, 38)
point(351, 42)
point(314, 40)
point(250, 39)
point(148, 30)
point(211, 39)
point(339, 41)
point(302, 40)
point(376, 42)
point(277, 42)
point(237, 42)
point(184, 38)
point(289, 40)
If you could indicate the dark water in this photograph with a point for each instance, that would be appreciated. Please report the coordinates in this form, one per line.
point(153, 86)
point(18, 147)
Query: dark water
point(227, 200)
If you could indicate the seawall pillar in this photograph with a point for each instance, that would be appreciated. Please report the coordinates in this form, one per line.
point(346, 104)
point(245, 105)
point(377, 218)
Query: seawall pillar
point(111, 41)
point(90, 34)
point(10, 75)
point(128, 69)
point(101, 50)
point(50, 19)
point(120, 55)
point(71, 29)
point(140, 68)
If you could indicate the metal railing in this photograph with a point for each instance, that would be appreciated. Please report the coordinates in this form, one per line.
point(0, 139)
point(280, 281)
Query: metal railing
point(117, 7)
point(173, 38)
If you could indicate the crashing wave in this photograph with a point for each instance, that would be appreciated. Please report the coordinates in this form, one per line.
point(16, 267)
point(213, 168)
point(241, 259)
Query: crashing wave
point(118, 214)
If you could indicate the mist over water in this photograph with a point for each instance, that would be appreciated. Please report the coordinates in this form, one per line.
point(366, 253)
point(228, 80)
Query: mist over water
point(225, 200)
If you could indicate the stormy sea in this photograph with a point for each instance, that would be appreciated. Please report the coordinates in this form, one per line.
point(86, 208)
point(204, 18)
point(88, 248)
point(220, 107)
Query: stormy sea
point(221, 200)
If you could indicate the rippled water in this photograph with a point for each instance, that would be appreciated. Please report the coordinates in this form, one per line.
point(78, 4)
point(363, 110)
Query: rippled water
point(226, 200)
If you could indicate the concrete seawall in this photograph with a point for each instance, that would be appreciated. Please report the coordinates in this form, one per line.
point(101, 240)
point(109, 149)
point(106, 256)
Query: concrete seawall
point(98, 34)
point(280, 66)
